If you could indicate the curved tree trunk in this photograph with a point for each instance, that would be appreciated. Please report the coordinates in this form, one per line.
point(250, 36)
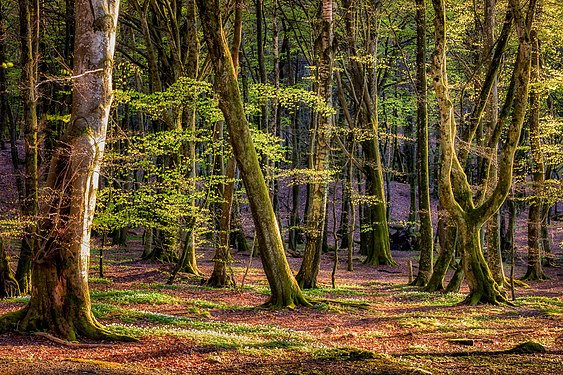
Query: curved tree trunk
point(60, 299)
point(456, 195)
point(284, 288)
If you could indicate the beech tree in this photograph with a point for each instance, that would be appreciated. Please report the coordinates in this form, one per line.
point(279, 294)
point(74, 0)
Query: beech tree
point(60, 299)
point(315, 216)
point(425, 267)
point(470, 212)
point(284, 288)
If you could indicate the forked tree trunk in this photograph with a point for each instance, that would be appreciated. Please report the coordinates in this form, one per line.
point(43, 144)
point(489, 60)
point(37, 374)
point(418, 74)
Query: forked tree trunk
point(374, 237)
point(456, 195)
point(481, 283)
point(284, 288)
point(60, 299)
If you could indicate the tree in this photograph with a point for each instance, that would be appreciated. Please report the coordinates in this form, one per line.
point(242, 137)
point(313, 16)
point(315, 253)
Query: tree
point(364, 92)
point(29, 11)
point(60, 299)
point(456, 196)
point(534, 270)
point(315, 216)
point(284, 288)
point(424, 208)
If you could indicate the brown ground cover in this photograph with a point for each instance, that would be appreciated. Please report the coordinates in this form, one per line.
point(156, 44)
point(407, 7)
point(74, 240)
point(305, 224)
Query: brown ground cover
point(371, 323)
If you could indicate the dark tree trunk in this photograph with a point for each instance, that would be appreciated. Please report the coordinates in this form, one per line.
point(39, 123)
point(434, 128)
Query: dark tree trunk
point(29, 33)
point(534, 270)
point(315, 217)
point(8, 283)
point(425, 265)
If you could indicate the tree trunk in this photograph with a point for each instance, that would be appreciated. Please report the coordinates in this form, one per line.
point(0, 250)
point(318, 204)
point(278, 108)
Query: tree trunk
point(456, 195)
point(482, 286)
point(284, 288)
point(8, 283)
point(315, 217)
point(29, 33)
point(447, 237)
point(60, 298)
point(426, 262)
point(534, 270)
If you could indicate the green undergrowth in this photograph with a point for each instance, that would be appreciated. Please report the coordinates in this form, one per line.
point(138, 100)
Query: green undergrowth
point(138, 323)
point(548, 306)
point(134, 296)
point(430, 299)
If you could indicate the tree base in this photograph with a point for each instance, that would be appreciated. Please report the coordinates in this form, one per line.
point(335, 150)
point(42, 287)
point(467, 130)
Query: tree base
point(23, 321)
point(534, 274)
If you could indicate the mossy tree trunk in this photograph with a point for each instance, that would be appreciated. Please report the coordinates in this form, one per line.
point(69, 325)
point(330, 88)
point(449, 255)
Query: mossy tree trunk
point(425, 265)
point(284, 288)
point(222, 258)
point(456, 195)
point(315, 217)
point(447, 239)
point(8, 284)
point(60, 299)
point(29, 34)
point(364, 87)
point(534, 270)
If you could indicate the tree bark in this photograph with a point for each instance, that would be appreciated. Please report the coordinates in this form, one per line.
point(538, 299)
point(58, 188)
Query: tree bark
point(425, 265)
point(534, 270)
point(60, 299)
point(29, 33)
point(456, 195)
point(284, 288)
point(315, 216)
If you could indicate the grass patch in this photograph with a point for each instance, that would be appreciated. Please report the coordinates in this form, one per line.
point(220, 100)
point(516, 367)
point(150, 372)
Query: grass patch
point(134, 296)
point(158, 286)
point(220, 334)
point(20, 299)
point(433, 299)
point(550, 306)
point(343, 354)
point(99, 280)
point(341, 290)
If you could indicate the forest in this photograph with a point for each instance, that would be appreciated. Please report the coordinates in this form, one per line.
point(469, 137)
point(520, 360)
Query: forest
point(281, 186)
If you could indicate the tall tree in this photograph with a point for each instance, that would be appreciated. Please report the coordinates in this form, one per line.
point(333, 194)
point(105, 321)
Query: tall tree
point(284, 288)
point(60, 299)
point(424, 209)
point(456, 195)
point(534, 270)
point(315, 216)
point(364, 90)
point(29, 11)
point(222, 258)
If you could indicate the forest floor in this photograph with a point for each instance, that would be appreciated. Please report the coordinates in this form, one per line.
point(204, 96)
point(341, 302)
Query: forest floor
point(371, 323)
